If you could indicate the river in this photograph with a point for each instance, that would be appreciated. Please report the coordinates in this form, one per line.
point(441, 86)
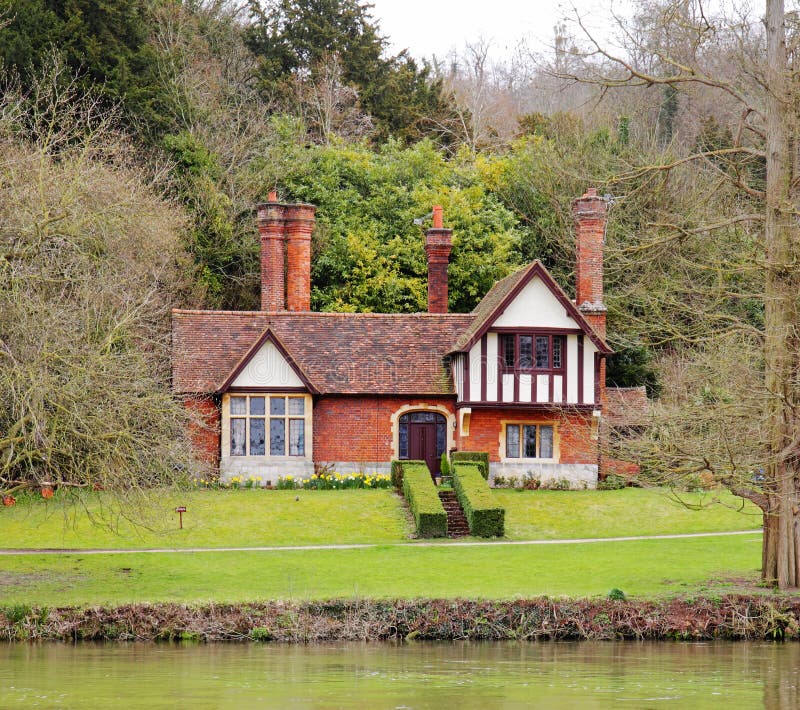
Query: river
point(418, 675)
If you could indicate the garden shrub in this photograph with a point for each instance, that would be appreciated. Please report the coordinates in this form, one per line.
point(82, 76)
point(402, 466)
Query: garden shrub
point(531, 482)
point(612, 482)
point(444, 465)
point(397, 471)
point(429, 514)
point(485, 517)
point(479, 458)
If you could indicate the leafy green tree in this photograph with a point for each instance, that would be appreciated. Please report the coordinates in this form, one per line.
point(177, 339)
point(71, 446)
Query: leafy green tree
point(369, 254)
point(223, 255)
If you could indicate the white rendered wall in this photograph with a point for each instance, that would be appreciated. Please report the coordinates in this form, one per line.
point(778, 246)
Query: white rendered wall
point(535, 307)
point(267, 368)
point(572, 369)
point(475, 372)
point(491, 367)
point(588, 371)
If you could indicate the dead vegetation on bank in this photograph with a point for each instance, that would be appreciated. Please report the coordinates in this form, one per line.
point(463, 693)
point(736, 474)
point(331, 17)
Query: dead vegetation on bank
point(738, 617)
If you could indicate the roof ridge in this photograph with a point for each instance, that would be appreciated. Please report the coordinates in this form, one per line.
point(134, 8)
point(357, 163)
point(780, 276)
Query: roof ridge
point(340, 314)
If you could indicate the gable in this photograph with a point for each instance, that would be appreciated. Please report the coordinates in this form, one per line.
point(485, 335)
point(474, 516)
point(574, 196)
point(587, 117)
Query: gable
point(505, 292)
point(534, 306)
point(267, 367)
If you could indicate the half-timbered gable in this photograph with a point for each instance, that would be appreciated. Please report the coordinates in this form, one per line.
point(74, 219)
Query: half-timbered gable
point(528, 345)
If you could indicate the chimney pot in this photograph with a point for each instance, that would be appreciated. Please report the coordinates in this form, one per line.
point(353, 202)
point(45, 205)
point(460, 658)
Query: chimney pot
point(438, 221)
point(273, 196)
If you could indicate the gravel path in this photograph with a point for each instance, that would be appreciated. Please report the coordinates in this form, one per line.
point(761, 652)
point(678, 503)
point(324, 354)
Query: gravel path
point(362, 546)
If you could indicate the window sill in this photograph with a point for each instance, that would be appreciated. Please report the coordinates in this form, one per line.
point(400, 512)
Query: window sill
point(268, 459)
point(521, 460)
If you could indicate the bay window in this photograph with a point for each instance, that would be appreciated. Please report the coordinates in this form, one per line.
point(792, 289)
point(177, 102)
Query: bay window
point(268, 424)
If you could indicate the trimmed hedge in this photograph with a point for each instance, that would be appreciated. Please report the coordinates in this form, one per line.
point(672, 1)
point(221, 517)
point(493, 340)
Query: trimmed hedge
point(478, 458)
point(485, 517)
point(427, 509)
point(397, 471)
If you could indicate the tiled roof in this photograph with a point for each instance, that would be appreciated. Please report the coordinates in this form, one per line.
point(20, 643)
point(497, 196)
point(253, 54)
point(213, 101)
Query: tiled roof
point(626, 406)
point(346, 353)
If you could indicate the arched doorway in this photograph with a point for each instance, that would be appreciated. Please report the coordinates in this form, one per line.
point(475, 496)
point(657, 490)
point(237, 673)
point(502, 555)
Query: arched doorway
point(423, 436)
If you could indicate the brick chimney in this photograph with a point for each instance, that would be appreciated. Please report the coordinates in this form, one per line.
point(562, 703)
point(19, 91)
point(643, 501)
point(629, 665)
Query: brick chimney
point(271, 215)
point(438, 243)
point(589, 212)
point(299, 226)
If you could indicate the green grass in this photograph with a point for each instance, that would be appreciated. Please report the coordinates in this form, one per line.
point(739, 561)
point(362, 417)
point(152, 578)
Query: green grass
point(252, 518)
point(553, 515)
point(639, 568)
point(214, 518)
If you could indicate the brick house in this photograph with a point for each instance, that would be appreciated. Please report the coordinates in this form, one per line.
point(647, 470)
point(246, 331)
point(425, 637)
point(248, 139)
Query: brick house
point(284, 389)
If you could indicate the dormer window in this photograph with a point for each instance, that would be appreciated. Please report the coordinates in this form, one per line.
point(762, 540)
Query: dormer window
point(526, 352)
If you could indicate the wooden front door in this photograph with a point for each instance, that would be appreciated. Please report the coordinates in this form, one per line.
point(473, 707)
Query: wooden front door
point(422, 444)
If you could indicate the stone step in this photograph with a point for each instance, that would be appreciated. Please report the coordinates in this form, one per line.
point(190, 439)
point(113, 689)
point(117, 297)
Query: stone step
point(457, 525)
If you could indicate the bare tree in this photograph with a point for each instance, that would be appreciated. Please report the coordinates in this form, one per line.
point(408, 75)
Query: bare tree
point(328, 105)
point(90, 262)
point(745, 423)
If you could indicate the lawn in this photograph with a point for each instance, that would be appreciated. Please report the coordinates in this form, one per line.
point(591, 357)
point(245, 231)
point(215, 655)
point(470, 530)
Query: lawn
point(253, 518)
point(214, 518)
point(640, 568)
point(548, 515)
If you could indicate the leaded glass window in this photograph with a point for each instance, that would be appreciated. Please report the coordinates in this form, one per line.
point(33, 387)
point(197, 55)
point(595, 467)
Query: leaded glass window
point(260, 424)
point(529, 441)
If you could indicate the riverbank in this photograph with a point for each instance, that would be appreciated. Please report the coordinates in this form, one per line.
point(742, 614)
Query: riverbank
point(733, 617)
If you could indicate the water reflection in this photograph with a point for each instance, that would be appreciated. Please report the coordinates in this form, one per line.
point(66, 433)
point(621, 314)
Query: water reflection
point(423, 675)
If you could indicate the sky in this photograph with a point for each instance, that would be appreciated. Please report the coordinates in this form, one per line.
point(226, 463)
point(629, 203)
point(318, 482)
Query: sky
point(427, 27)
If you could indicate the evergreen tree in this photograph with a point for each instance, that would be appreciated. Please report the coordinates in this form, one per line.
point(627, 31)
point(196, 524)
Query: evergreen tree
point(295, 37)
point(104, 42)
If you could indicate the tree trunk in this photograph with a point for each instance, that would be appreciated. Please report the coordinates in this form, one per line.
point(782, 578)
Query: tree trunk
point(780, 551)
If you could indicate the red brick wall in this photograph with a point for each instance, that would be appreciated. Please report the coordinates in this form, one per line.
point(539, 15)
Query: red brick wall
point(359, 428)
point(574, 430)
point(204, 429)
point(628, 469)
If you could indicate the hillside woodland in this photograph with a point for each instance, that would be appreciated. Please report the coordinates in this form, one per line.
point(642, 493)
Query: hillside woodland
point(136, 137)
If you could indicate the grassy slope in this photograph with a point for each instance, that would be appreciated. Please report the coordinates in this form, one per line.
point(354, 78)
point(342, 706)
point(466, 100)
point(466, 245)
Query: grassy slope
point(544, 515)
point(246, 518)
point(251, 518)
point(643, 568)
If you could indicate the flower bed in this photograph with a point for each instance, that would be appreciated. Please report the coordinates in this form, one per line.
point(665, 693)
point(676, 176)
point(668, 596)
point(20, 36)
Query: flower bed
point(338, 481)
point(324, 481)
